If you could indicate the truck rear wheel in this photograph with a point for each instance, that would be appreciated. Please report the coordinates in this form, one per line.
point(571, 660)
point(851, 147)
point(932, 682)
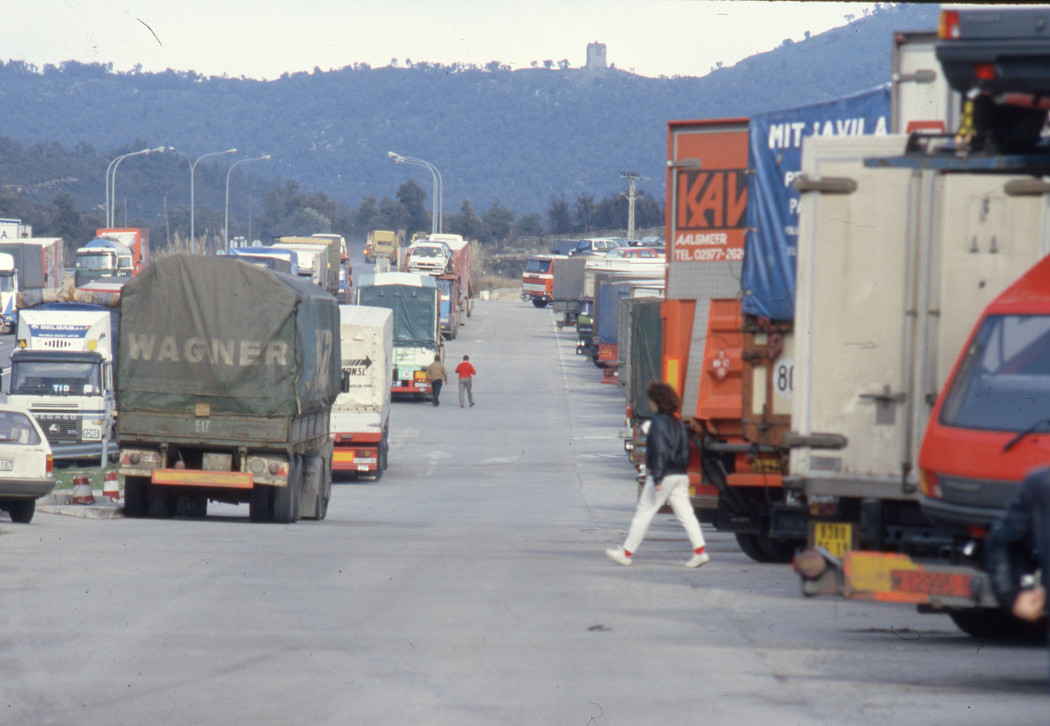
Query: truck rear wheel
point(539, 302)
point(135, 488)
point(260, 505)
point(160, 502)
point(762, 548)
point(994, 624)
point(286, 498)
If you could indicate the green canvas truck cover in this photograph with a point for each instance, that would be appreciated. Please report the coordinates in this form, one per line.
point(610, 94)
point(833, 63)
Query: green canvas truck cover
point(641, 357)
point(414, 300)
point(219, 331)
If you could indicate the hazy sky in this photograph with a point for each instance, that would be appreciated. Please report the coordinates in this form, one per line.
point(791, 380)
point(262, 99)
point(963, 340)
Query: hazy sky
point(265, 38)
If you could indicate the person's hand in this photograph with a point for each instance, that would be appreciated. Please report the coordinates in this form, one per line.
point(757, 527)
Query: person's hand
point(1030, 604)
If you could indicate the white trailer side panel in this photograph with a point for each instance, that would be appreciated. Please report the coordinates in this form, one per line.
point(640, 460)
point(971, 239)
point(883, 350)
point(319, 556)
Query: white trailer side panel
point(891, 279)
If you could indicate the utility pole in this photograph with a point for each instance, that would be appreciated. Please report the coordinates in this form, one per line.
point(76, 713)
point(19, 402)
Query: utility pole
point(631, 195)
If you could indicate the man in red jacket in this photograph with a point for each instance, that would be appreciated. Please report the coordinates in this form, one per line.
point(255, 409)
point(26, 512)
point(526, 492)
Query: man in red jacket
point(466, 372)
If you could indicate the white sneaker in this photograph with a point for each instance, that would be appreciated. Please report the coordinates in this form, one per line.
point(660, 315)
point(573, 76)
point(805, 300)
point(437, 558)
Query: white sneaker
point(697, 560)
point(618, 555)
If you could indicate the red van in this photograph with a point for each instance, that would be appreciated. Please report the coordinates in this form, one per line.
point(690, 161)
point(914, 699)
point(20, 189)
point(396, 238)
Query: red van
point(990, 425)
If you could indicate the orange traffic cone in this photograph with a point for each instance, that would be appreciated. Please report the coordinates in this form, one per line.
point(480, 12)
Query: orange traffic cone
point(111, 487)
point(82, 490)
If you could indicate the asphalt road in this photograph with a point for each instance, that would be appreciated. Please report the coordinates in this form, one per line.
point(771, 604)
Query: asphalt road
point(469, 587)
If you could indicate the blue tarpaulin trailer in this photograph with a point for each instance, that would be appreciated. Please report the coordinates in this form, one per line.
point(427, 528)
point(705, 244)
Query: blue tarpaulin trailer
point(775, 156)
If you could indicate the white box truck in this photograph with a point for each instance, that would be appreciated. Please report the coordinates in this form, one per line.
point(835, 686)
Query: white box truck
point(361, 413)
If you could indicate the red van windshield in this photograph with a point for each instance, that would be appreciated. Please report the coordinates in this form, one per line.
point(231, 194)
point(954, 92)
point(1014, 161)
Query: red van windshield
point(1003, 383)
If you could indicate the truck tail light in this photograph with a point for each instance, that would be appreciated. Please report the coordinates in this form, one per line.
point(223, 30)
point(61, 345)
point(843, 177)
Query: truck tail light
point(49, 467)
point(984, 71)
point(949, 26)
point(929, 485)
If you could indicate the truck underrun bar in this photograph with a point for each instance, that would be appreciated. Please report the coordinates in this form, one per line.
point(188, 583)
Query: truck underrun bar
point(199, 478)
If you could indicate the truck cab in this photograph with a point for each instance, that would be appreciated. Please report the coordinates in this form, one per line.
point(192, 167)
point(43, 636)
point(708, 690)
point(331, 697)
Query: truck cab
point(62, 372)
point(103, 258)
point(8, 292)
point(431, 258)
point(537, 280)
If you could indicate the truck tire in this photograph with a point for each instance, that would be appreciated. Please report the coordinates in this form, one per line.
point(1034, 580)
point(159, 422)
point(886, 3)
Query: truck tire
point(749, 546)
point(135, 489)
point(995, 624)
point(260, 504)
point(765, 549)
point(161, 502)
point(286, 498)
point(21, 510)
point(1009, 129)
point(539, 303)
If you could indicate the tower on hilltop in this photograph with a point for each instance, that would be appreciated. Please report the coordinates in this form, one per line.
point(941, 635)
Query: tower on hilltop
point(596, 57)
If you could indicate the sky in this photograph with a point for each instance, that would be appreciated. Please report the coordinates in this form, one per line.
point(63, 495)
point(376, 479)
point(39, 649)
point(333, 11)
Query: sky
point(265, 38)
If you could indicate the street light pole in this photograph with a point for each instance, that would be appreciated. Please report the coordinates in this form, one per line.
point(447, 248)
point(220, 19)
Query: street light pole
point(111, 199)
point(437, 220)
point(193, 166)
point(226, 228)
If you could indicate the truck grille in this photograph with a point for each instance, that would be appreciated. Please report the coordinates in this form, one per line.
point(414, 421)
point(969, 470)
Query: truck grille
point(984, 493)
point(59, 429)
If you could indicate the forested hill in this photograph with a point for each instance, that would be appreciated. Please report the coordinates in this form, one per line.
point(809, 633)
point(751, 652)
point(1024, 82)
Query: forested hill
point(518, 137)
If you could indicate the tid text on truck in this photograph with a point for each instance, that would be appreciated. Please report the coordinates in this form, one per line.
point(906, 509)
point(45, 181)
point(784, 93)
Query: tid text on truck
point(62, 372)
point(226, 375)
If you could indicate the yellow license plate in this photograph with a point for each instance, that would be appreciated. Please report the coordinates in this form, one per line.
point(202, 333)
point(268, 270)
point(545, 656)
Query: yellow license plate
point(835, 537)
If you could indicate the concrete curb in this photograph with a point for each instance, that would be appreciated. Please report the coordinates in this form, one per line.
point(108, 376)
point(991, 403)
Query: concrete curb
point(61, 503)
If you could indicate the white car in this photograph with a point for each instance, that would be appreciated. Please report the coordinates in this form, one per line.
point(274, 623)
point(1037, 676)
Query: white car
point(26, 467)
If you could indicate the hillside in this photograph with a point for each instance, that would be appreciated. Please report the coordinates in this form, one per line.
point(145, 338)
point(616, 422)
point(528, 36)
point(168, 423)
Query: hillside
point(517, 137)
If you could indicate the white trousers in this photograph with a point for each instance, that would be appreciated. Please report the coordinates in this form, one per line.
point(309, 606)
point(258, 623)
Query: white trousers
point(674, 490)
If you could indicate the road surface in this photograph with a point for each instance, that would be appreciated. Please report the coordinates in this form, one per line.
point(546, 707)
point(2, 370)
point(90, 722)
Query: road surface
point(469, 587)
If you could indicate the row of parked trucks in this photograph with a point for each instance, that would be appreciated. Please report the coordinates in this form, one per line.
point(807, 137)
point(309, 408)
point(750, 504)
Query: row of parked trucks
point(854, 314)
point(263, 409)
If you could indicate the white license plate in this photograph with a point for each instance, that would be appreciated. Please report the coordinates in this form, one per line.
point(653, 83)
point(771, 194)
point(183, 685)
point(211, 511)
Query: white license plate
point(7, 464)
point(421, 385)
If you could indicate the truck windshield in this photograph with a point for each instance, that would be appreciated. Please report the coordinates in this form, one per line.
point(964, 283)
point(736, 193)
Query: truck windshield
point(428, 252)
point(1003, 382)
point(95, 261)
point(537, 266)
point(55, 378)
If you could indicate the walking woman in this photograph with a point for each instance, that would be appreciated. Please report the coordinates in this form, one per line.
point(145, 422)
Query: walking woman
point(666, 481)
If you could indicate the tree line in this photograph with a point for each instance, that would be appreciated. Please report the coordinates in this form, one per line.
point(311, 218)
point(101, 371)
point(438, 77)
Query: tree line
point(157, 197)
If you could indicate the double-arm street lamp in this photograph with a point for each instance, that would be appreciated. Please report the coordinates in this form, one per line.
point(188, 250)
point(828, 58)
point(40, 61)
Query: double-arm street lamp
point(193, 166)
point(226, 229)
point(111, 182)
point(437, 220)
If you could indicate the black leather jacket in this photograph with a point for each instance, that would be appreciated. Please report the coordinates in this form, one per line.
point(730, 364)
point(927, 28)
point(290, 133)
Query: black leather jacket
point(666, 447)
point(1022, 533)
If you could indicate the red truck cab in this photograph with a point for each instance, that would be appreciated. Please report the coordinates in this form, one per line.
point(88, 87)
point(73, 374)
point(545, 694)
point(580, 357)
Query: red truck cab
point(990, 425)
point(537, 280)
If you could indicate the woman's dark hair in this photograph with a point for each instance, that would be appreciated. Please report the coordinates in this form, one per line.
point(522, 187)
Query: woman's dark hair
point(664, 396)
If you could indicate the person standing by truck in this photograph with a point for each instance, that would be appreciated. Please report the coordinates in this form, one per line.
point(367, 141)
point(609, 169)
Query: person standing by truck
point(1019, 541)
point(466, 374)
point(436, 376)
point(666, 458)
